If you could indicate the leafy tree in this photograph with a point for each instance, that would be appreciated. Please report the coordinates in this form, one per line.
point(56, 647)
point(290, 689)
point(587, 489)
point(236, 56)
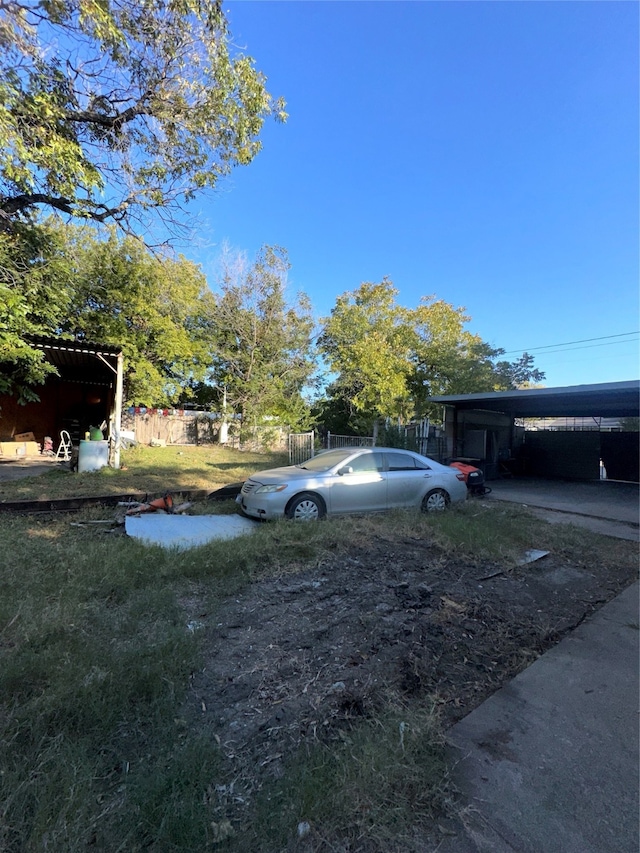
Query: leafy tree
point(365, 343)
point(389, 360)
point(30, 305)
point(263, 345)
point(448, 359)
point(109, 111)
point(517, 374)
point(158, 309)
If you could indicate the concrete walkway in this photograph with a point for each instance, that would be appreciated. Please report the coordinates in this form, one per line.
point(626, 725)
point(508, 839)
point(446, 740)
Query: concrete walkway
point(607, 507)
point(549, 764)
point(33, 467)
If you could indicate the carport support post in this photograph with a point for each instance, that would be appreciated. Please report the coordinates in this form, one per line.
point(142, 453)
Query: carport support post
point(454, 446)
point(117, 410)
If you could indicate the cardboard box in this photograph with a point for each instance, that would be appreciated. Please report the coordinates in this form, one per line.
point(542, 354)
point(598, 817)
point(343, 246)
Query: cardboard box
point(24, 436)
point(18, 449)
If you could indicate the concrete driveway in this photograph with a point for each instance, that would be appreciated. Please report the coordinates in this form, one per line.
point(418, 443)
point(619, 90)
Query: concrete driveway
point(608, 507)
point(549, 763)
point(29, 468)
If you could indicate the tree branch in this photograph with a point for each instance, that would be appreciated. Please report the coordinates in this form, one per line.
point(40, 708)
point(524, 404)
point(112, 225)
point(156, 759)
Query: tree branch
point(9, 206)
point(114, 122)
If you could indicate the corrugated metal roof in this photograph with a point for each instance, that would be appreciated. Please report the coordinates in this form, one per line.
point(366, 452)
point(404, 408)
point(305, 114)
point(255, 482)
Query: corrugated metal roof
point(81, 361)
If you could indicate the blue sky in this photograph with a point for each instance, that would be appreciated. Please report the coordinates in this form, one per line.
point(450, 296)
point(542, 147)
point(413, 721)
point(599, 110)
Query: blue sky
point(484, 152)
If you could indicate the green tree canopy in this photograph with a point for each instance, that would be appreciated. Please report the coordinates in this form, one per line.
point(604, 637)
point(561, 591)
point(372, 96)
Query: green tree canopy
point(366, 344)
point(263, 352)
point(30, 260)
point(65, 281)
point(109, 111)
point(158, 309)
point(388, 360)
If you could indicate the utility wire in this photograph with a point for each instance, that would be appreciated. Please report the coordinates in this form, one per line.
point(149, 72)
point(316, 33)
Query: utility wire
point(575, 349)
point(571, 343)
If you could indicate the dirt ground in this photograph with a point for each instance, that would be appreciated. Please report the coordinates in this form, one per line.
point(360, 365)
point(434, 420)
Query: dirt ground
point(301, 657)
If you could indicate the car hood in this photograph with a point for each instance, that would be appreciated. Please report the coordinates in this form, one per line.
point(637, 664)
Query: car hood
point(286, 474)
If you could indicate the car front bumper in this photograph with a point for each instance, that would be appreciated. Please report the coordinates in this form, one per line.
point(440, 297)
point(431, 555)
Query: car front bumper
point(263, 508)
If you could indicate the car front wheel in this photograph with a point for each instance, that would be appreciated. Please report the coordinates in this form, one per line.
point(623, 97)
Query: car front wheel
point(435, 501)
point(306, 507)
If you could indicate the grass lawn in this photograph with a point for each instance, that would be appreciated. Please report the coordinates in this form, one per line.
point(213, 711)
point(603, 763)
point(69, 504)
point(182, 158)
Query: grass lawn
point(146, 469)
point(97, 655)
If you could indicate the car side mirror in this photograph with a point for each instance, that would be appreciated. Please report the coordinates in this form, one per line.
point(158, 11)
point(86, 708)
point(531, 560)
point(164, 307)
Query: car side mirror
point(346, 470)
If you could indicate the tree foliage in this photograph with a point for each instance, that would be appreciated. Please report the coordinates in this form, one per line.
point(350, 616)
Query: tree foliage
point(159, 310)
point(263, 353)
point(365, 343)
point(69, 282)
point(388, 360)
point(180, 341)
point(30, 259)
point(109, 111)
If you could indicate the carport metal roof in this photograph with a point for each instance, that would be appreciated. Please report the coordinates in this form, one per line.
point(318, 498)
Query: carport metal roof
point(611, 399)
point(83, 361)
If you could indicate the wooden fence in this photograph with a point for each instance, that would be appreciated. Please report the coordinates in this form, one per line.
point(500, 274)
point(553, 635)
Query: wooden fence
point(177, 426)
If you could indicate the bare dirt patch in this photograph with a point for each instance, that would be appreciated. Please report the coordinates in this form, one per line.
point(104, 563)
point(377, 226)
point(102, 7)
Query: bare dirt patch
point(303, 657)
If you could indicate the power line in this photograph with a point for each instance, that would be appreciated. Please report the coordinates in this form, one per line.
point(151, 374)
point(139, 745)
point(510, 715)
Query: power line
point(576, 349)
point(599, 358)
point(571, 343)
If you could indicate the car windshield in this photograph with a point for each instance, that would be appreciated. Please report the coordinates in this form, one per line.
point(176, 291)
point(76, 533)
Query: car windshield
point(324, 461)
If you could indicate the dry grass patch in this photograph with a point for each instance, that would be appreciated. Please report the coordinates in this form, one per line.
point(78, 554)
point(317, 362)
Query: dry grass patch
point(153, 470)
point(98, 667)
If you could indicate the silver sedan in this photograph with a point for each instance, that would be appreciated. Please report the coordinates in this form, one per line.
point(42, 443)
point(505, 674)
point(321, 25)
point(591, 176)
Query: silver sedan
point(351, 480)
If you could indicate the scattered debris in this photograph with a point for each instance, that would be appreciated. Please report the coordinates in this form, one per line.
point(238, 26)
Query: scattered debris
point(528, 557)
point(304, 828)
point(85, 523)
point(531, 556)
point(222, 831)
point(491, 575)
point(163, 504)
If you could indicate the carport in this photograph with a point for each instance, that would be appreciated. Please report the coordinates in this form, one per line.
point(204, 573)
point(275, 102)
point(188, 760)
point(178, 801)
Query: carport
point(489, 429)
point(86, 392)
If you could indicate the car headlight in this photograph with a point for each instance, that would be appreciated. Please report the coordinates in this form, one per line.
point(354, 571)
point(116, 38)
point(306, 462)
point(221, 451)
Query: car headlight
point(271, 488)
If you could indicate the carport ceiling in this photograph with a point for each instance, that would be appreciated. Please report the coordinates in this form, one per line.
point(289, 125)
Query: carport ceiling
point(81, 361)
point(609, 400)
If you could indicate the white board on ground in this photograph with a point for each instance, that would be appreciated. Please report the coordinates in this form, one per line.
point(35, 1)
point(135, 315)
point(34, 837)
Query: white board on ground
point(186, 531)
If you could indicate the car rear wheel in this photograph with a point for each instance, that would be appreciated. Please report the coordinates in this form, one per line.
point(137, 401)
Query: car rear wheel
point(306, 507)
point(435, 501)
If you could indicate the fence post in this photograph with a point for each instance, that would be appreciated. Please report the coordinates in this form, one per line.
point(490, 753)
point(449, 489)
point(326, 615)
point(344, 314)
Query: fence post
point(328, 440)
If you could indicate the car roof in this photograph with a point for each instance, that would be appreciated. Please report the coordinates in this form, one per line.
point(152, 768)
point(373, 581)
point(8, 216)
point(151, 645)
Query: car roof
point(376, 449)
point(351, 450)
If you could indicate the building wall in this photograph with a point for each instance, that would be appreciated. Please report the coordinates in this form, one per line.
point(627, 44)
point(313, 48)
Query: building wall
point(620, 452)
point(564, 455)
point(489, 437)
point(73, 406)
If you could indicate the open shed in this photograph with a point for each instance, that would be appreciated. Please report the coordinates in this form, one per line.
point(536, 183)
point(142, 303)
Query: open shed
point(87, 392)
point(490, 429)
